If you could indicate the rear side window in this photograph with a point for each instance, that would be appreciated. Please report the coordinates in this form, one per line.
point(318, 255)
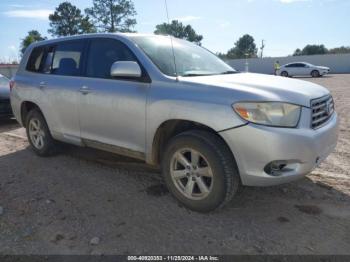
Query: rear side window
point(47, 63)
point(36, 59)
point(67, 58)
point(103, 53)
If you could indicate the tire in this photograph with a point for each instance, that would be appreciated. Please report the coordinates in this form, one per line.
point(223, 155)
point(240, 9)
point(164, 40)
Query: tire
point(315, 73)
point(39, 135)
point(216, 168)
point(284, 74)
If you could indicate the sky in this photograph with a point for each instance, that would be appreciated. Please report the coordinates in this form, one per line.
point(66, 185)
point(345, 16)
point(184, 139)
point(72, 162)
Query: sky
point(284, 24)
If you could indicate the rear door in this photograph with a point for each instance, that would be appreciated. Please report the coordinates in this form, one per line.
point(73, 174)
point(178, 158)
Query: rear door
point(60, 83)
point(112, 110)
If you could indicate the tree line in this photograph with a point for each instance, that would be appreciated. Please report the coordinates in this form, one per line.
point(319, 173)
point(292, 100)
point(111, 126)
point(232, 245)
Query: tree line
point(320, 50)
point(105, 16)
point(119, 16)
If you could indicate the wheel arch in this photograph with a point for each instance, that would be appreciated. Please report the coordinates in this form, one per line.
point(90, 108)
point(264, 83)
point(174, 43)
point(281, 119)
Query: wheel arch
point(26, 107)
point(171, 128)
point(315, 70)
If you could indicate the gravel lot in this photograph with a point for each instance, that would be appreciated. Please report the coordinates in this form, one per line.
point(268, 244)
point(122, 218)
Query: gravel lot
point(90, 202)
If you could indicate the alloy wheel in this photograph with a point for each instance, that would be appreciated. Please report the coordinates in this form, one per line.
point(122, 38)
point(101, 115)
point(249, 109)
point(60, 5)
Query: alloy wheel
point(36, 133)
point(191, 174)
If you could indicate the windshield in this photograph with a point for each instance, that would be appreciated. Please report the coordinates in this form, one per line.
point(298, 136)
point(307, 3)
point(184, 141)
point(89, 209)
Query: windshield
point(191, 59)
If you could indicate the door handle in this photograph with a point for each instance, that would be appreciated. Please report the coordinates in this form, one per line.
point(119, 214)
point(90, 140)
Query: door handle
point(42, 85)
point(85, 90)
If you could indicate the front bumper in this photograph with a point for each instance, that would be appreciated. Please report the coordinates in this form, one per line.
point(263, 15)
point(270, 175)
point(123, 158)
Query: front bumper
point(324, 72)
point(255, 146)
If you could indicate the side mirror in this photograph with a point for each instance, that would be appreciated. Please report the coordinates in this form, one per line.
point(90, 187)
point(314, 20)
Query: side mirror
point(126, 69)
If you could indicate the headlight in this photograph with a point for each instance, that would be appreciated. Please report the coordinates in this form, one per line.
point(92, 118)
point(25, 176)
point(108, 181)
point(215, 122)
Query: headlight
point(269, 113)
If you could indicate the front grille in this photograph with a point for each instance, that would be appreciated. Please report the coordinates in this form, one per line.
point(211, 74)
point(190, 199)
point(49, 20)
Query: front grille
point(322, 110)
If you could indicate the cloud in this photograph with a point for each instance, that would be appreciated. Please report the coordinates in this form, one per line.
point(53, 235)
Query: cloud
point(17, 5)
point(292, 1)
point(225, 24)
point(34, 14)
point(188, 18)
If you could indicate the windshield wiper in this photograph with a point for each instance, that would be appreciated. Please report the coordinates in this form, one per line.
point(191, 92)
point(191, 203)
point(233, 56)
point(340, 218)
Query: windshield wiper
point(229, 72)
point(212, 74)
point(193, 74)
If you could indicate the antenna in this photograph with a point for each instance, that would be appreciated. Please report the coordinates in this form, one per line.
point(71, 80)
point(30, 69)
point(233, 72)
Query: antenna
point(171, 40)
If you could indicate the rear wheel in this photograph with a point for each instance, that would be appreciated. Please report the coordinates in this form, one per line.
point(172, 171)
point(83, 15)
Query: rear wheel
point(315, 73)
point(285, 74)
point(39, 135)
point(200, 171)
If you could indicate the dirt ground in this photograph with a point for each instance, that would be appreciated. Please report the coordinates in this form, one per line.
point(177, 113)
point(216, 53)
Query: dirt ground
point(89, 202)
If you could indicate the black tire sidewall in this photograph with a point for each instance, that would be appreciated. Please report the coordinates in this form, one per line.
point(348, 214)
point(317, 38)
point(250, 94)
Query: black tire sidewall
point(315, 73)
point(218, 192)
point(49, 142)
point(285, 74)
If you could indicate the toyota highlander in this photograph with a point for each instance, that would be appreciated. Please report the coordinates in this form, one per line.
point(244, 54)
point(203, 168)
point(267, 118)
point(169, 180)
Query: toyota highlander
point(175, 105)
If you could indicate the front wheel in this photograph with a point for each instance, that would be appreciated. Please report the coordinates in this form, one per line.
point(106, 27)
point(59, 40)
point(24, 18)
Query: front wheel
point(315, 73)
point(39, 135)
point(200, 171)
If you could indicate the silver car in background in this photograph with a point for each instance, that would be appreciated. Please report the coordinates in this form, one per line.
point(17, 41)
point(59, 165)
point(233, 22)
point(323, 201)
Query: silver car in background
point(209, 128)
point(5, 106)
point(302, 69)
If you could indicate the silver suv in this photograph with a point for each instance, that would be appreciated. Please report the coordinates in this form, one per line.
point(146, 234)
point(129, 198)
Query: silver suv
point(210, 128)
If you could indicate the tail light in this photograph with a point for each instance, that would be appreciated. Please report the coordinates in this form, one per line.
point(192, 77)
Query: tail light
point(12, 84)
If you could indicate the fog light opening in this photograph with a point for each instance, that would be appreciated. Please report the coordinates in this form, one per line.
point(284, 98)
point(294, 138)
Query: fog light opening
point(276, 168)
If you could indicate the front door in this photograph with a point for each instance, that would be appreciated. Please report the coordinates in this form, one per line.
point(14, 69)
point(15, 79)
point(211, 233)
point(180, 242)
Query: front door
point(112, 111)
point(300, 69)
point(292, 69)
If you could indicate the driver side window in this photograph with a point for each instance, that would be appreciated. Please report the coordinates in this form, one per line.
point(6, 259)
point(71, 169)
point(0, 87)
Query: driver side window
point(103, 53)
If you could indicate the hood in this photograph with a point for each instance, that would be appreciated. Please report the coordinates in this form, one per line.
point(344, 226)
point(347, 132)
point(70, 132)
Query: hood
point(259, 87)
point(322, 67)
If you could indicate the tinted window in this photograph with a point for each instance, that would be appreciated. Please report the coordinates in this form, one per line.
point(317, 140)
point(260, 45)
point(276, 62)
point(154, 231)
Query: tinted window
point(296, 65)
point(35, 59)
point(67, 58)
point(103, 53)
point(47, 62)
